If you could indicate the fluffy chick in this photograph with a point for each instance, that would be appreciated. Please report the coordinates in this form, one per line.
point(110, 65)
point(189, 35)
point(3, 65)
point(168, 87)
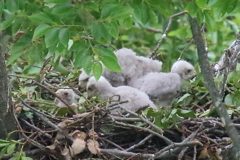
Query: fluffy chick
point(133, 67)
point(104, 90)
point(67, 95)
point(163, 87)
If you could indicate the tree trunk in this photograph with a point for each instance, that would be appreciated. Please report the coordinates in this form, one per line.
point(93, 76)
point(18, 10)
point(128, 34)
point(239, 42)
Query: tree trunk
point(7, 120)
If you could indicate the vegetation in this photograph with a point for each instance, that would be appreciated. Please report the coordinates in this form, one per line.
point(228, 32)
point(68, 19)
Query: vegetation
point(47, 42)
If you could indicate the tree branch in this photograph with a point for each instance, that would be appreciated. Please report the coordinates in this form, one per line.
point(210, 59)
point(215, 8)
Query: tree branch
point(210, 85)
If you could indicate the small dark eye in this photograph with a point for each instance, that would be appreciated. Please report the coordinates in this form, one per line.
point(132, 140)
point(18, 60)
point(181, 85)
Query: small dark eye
point(189, 70)
point(90, 88)
point(65, 93)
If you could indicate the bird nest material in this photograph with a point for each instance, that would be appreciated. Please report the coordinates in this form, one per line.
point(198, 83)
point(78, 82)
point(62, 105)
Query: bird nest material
point(97, 134)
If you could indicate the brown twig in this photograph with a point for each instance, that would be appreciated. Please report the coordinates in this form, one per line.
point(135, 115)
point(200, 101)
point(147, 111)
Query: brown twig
point(166, 31)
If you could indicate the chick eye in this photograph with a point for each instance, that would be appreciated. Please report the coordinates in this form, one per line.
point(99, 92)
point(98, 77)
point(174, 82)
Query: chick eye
point(90, 89)
point(65, 93)
point(189, 70)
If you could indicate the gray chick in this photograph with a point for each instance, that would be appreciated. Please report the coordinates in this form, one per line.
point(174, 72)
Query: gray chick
point(104, 90)
point(161, 87)
point(67, 95)
point(133, 67)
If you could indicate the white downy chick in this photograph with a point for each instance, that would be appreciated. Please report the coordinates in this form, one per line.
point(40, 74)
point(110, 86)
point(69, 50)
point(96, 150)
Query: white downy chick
point(104, 90)
point(163, 87)
point(133, 67)
point(127, 61)
point(67, 95)
point(144, 66)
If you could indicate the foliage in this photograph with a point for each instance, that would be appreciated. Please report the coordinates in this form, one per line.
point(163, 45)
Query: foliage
point(8, 147)
point(50, 40)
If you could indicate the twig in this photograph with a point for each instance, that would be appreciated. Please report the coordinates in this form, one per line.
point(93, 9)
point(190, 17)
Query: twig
point(181, 154)
point(182, 144)
point(112, 143)
point(150, 29)
point(143, 119)
point(127, 119)
point(140, 143)
point(125, 154)
point(177, 149)
point(166, 31)
point(49, 123)
point(36, 128)
point(21, 76)
point(195, 153)
point(168, 141)
point(35, 110)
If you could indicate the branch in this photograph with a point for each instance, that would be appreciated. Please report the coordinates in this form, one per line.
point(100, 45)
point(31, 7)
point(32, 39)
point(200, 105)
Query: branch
point(143, 119)
point(210, 85)
point(166, 31)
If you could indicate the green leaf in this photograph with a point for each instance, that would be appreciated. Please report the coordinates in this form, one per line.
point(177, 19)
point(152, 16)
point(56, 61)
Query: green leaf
point(232, 5)
point(192, 8)
point(87, 64)
point(126, 23)
point(111, 63)
point(105, 34)
point(27, 158)
point(12, 5)
point(183, 97)
point(106, 52)
point(17, 24)
point(153, 16)
point(8, 22)
point(14, 158)
point(185, 113)
point(92, 6)
point(97, 70)
point(60, 68)
point(62, 9)
point(56, 1)
point(113, 28)
point(40, 17)
point(11, 148)
point(64, 36)
point(96, 31)
point(3, 151)
point(51, 37)
point(4, 144)
point(17, 47)
point(14, 57)
point(107, 9)
point(82, 51)
point(40, 30)
point(144, 13)
point(121, 12)
point(4, 141)
point(201, 3)
point(1, 7)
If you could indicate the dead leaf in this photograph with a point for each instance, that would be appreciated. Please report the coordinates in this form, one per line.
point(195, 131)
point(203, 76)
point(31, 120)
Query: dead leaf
point(204, 153)
point(66, 153)
point(93, 146)
point(64, 123)
point(81, 115)
point(51, 147)
point(93, 135)
point(78, 134)
point(60, 136)
point(78, 146)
